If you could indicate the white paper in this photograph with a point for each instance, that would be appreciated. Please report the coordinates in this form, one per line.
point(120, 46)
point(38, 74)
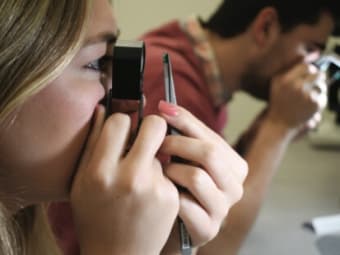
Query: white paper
point(325, 225)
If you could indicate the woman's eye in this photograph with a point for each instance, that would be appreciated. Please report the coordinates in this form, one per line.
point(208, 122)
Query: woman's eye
point(99, 65)
point(94, 65)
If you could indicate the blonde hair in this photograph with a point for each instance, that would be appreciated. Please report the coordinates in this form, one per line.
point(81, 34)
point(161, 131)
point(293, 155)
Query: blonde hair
point(38, 39)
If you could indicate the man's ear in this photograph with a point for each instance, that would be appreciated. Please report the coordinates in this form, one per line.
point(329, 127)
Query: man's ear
point(265, 28)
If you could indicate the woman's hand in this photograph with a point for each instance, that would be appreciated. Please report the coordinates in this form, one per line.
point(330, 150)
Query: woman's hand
point(213, 178)
point(122, 203)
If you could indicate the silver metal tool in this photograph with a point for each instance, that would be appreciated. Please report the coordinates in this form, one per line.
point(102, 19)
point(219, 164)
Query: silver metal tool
point(170, 96)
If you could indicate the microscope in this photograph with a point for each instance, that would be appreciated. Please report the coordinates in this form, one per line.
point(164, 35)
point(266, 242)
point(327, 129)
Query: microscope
point(334, 91)
point(327, 134)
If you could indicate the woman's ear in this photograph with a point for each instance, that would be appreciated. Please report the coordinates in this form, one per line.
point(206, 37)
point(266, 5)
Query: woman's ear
point(265, 28)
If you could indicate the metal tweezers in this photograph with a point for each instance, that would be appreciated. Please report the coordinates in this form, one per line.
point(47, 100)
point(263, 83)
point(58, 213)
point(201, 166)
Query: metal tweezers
point(170, 96)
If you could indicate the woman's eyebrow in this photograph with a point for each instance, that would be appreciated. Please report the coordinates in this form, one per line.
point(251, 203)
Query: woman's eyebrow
point(107, 37)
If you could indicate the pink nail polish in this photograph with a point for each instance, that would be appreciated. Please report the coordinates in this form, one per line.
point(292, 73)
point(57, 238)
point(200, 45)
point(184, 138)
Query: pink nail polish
point(167, 108)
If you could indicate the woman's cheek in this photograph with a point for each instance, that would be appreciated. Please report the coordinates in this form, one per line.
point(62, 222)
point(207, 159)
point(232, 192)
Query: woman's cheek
point(87, 96)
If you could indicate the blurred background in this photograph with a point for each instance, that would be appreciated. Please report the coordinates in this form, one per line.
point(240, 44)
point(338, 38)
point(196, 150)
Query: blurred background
point(308, 182)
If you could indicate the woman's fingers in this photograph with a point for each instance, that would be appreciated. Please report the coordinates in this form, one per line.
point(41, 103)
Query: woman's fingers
point(212, 175)
point(185, 122)
point(208, 149)
point(198, 183)
point(149, 139)
point(97, 126)
point(219, 161)
point(198, 222)
point(124, 192)
point(111, 144)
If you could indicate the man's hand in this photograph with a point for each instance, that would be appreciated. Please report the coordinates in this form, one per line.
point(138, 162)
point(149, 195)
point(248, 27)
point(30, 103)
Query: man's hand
point(298, 97)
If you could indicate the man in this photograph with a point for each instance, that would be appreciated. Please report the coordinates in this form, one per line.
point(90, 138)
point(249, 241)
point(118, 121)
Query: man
point(264, 48)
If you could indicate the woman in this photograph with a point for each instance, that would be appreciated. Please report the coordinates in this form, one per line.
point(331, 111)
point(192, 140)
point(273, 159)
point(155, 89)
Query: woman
point(55, 144)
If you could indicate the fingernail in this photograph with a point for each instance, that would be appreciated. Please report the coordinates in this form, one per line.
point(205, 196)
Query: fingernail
point(167, 108)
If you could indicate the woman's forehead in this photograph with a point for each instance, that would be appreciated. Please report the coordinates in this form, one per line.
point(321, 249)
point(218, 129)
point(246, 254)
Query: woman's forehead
point(102, 19)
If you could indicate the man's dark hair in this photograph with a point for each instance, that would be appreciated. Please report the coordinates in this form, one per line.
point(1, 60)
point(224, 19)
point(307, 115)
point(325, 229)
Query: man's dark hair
point(233, 17)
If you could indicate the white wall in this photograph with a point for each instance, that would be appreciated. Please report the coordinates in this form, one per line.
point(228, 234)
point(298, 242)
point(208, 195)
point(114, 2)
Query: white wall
point(136, 16)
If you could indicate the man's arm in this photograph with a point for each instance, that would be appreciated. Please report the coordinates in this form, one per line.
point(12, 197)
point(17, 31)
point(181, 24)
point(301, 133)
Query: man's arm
point(291, 109)
point(264, 155)
point(266, 145)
